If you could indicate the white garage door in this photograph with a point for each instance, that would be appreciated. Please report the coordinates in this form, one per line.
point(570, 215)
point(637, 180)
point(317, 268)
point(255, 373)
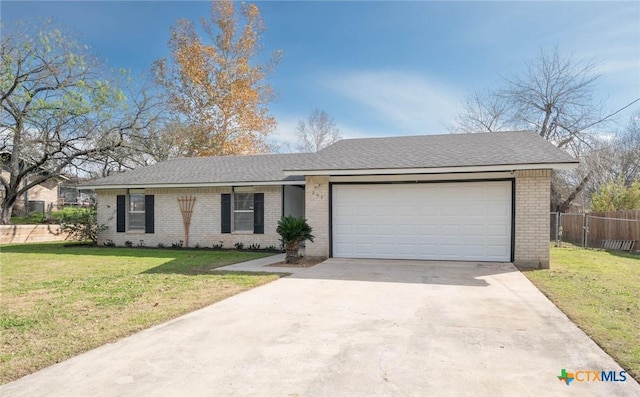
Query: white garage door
point(434, 221)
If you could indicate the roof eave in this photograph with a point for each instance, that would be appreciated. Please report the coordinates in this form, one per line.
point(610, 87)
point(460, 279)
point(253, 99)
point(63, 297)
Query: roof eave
point(436, 170)
point(189, 185)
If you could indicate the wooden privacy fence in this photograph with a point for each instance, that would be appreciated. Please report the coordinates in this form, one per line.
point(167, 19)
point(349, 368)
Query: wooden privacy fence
point(598, 229)
point(31, 233)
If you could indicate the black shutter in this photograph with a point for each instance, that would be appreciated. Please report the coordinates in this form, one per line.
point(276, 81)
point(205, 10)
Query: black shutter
point(258, 213)
point(121, 211)
point(149, 218)
point(225, 213)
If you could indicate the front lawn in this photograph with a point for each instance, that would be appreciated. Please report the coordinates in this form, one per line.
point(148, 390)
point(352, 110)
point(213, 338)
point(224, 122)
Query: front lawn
point(600, 292)
point(59, 301)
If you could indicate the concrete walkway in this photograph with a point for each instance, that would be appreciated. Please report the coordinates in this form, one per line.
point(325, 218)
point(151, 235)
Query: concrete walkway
point(351, 328)
point(263, 265)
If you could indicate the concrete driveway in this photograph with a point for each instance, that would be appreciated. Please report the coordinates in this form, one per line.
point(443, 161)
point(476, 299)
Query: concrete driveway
point(351, 328)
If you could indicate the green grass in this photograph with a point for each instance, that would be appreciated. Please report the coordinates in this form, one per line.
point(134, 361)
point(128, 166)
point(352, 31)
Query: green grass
point(33, 219)
point(59, 301)
point(600, 292)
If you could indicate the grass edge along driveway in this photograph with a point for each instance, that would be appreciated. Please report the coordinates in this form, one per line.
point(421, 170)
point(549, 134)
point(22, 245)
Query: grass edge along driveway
point(600, 292)
point(57, 301)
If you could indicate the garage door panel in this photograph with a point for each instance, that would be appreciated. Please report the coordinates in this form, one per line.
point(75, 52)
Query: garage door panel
point(472, 250)
point(473, 231)
point(472, 210)
point(498, 231)
point(364, 230)
point(451, 230)
point(385, 249)
point(456, 221)
point(496, 252)
point(425, 210)
point(450, 210)
point(427, 230)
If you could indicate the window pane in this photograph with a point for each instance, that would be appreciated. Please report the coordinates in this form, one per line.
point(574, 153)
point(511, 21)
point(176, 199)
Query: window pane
point(243, 220)
point(136, 220)
point(136, 202)
point(243, 201)
point(136, 209)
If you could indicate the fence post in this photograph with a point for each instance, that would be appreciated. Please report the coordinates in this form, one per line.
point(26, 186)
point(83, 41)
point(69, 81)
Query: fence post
point(586, 231)
point(558, 229)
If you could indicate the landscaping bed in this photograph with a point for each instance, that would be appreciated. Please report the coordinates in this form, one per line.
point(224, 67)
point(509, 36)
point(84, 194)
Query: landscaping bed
point(59, 301)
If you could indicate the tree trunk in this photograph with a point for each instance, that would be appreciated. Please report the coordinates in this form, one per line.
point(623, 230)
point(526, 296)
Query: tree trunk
point(565, 205)
point(292, 256)
point(556, 199)
point(7, 208)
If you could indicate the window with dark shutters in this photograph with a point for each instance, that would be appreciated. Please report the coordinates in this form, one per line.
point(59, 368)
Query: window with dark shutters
point(258, 213)
point(149, 220)
point(121, 212)
point(225, 212)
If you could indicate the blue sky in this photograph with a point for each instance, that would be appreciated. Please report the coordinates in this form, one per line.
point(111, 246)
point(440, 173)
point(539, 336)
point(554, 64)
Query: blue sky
point(380, 68)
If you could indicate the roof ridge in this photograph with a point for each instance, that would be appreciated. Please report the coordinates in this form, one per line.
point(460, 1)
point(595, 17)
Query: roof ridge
point(436, 135)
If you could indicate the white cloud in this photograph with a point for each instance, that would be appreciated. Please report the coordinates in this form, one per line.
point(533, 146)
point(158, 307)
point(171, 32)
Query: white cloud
point(412, 103)
point(285, 133)
point(394, 103)
point(616, 66)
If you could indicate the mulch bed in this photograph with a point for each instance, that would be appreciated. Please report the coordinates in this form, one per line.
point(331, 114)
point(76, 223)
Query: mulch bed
point(304, 262)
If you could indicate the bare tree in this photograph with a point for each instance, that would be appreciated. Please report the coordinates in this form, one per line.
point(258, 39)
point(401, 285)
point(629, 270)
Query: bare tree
point(628, 148)
point(316, 132)
point(165, 140)
point(61, 112)
point(554, 98)
point(613, 158)
point(483, 112)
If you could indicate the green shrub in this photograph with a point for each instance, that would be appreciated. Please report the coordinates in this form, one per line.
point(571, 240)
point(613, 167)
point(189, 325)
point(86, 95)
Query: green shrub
point(34, 219)
point(616, 196)
point(68, 212)
point(292, 232)
point(82, 224)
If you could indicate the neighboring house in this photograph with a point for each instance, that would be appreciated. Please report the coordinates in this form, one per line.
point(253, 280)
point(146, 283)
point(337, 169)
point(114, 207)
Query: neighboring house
point(457, 197)
point(40, 198)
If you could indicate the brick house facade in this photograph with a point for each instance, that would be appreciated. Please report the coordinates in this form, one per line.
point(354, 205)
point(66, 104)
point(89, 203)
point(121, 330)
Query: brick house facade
point(463, 197)
point(205, 227)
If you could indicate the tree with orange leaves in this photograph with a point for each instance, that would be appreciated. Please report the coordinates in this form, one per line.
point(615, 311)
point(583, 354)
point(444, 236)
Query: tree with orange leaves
point(218, 88)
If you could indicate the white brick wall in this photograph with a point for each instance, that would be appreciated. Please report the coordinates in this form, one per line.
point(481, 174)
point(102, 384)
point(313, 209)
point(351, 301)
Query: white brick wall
point(205, 220)
point(532, 218)
point(532, 191)
point(317, 214)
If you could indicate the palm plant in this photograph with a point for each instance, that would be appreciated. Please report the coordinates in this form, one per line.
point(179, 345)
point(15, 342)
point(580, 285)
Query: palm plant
point(293, 231)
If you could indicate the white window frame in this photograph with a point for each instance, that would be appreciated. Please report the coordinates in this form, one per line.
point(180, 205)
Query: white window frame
point(131, 192)
point(234, 211)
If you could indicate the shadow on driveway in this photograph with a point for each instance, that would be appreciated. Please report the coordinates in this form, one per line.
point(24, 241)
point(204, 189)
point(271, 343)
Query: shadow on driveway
point(406, 271)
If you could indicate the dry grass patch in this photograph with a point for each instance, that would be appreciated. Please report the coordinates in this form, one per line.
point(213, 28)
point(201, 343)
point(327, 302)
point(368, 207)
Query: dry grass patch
point(600, 292)
point(60, 301)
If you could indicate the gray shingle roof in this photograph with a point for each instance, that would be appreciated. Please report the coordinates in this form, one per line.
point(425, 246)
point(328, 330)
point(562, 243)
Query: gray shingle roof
point(202, 170)
point(438, 151)
point(423, 151)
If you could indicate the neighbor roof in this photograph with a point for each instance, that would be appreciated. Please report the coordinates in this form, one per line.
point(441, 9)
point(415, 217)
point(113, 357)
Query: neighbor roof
point(259, 169)
point(411, 154)
point(437, 151)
